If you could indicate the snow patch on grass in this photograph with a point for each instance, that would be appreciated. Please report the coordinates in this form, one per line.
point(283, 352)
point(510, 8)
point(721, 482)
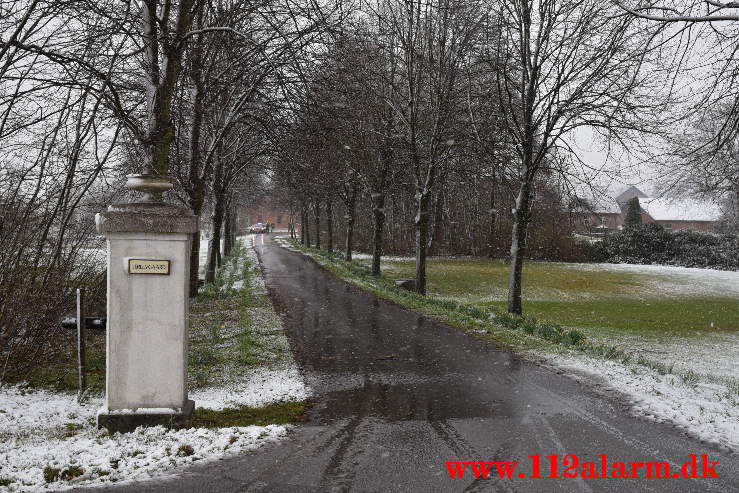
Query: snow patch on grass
point(715, 355)
point(283, 241)
point(386, 258)
point(678, 281)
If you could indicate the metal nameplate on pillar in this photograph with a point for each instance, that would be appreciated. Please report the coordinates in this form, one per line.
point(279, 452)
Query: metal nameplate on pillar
point(148, 266)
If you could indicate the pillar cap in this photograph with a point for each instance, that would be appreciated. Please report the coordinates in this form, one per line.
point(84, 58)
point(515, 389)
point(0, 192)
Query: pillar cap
point(146, 217)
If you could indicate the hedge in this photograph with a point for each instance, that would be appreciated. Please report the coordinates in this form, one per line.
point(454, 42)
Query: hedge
point(652, 244)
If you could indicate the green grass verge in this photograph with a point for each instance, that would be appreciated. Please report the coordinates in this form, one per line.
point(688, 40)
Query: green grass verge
point(479, 279)
point(276, 413)
point(646, 317)
point(233, 330)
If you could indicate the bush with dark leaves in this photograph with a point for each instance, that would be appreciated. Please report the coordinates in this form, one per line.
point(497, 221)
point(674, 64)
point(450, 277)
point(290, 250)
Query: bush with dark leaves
point(652, 244)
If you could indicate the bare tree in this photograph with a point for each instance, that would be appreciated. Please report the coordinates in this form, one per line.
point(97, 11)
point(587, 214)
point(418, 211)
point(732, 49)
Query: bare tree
point(433, 41)
point(567, 64)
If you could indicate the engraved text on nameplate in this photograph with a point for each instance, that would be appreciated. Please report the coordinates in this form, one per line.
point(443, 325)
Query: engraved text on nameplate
point(144, 266)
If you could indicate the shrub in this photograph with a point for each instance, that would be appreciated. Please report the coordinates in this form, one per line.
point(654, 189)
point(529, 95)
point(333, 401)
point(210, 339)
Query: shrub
point(574, 337)
point(652, 244)
point(72, 472)
point(51, 474)
point(185, 451)
point(633, 213)
point(34, 297)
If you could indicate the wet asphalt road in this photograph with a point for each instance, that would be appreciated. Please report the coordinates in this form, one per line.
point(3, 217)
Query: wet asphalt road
point(399, 394)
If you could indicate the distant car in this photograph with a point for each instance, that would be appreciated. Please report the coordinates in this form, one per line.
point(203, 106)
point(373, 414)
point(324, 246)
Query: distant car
point(256, 228)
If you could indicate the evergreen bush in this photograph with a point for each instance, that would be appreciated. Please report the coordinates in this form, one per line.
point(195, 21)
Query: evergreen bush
point(652, 244)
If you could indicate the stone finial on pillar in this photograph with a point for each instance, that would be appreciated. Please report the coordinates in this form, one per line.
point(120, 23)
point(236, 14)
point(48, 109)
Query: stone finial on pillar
point(152, 186)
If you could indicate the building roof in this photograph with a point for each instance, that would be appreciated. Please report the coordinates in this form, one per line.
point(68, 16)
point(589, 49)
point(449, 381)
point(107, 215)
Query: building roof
point(598, 205)
point(687, 209)
point(629, 193)
point(659, 209)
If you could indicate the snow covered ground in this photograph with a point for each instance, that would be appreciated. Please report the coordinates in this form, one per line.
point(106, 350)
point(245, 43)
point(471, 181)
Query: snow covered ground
point(386, 258)
point(44, 431)
point(284, 240)
point(49, 433)
point(701, 391)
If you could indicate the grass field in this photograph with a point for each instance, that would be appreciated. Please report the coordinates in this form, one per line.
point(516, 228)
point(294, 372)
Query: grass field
point(604, 300)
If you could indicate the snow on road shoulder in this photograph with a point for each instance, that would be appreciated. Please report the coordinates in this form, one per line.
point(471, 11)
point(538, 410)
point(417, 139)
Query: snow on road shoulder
point(707, 410)
point(50, 442)
point(284, 242)
point(261, 387)
point(257, 281)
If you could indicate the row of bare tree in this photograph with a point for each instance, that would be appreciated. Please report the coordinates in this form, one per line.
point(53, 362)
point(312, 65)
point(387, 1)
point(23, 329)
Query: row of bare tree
point(411, 95)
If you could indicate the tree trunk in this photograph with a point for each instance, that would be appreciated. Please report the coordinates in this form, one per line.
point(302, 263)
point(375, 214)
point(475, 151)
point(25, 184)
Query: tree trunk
point(196, 204)
point(302, 223)
point(422, 227)
point(306, 226)
point(330, 226)
point(162, 64)
point(197, 181)
point(228, 232)
point(437, 234)
point(350, 227)
point(378, 212)
point(318, 224)
point(518, 248)
point(491, 231)
point(214, 247)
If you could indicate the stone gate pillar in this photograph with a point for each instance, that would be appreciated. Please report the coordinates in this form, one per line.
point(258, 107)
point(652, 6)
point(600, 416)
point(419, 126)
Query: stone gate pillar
point(147, 338)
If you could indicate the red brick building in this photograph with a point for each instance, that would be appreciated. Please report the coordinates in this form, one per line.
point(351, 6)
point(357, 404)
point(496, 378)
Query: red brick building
point(598, 217)
point(265, 211)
